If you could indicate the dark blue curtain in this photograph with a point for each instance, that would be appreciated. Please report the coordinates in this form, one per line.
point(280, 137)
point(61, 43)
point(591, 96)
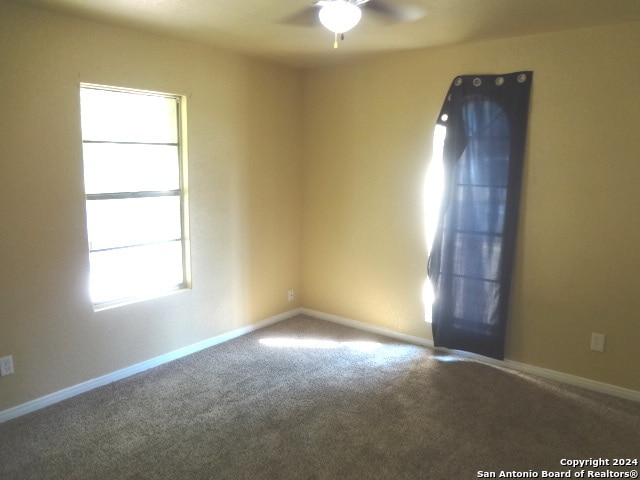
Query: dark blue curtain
point(471, 261)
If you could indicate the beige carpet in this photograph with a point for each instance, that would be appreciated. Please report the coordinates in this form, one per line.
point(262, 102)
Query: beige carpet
point(308, 399)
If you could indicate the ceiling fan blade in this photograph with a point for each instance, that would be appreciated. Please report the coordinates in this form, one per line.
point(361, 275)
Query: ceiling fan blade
point(307, 17)
point(397, 13)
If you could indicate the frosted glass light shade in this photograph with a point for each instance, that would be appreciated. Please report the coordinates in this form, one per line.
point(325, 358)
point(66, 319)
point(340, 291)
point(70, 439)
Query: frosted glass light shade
point(340, 16)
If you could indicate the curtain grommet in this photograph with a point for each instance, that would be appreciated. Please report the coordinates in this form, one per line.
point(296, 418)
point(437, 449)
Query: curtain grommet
point(500, 81)
point(477, 82)
point(522, 78)
point(457, 82)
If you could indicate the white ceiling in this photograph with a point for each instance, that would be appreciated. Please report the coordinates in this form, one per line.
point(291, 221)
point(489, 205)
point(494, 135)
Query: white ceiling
point(258, 27)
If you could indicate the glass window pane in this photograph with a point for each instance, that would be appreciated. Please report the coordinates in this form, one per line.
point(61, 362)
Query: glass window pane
point(110, 167)
point(119, 116)
point(133, 221)
point(136, 271)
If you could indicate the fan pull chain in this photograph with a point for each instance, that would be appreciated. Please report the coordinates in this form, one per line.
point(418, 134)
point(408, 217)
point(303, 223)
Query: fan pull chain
point(335, 41)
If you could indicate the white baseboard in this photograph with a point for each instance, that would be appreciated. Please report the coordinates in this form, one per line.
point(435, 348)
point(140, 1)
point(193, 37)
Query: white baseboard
point(74, 390)
point(387, 332)
point(522, 367)
point(83, 387)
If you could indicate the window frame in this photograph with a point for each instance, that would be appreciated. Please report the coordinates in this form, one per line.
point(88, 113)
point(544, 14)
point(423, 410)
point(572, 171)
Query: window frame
point(180, 192)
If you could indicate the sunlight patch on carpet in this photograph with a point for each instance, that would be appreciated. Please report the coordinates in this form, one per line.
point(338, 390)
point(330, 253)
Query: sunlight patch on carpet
point(288, 342)
point(447, 358)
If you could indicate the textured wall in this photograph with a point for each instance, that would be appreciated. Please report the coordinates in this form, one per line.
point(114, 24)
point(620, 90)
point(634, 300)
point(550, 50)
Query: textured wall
point(368, 134)
point(314, 180)
point(244, 195)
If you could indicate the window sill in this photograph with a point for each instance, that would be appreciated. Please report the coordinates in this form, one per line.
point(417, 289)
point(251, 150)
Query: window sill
point(121, 302)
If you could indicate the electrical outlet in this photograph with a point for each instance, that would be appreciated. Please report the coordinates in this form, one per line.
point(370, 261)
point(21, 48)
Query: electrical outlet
point(6, 366)
point(597, 342)
point(290, 297)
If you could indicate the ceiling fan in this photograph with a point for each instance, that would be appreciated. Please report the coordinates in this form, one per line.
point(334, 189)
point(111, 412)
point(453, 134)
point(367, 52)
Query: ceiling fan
point(340, 16)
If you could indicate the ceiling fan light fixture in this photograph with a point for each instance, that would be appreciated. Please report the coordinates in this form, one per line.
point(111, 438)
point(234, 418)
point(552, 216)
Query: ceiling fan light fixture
point(339, 16)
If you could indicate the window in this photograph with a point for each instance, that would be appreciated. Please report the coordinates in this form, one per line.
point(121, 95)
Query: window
point(434, 185)
point(134, 185)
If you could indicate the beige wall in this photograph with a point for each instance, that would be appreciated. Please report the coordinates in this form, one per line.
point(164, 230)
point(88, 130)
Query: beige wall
point(368, 133)
point(244, 192)
point(313, 180)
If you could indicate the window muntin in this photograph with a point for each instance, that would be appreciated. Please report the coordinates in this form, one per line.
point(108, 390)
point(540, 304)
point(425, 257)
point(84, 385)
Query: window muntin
point(134, 193)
